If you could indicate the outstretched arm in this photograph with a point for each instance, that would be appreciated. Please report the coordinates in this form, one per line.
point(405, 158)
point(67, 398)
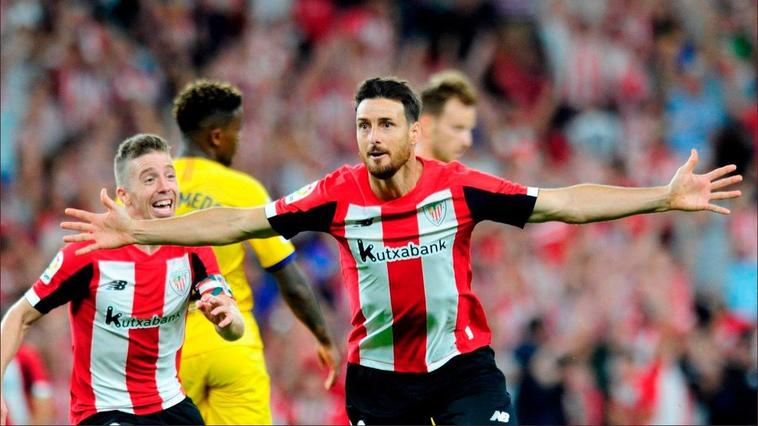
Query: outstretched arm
point(592, 203)
point(300, 298)
point(213, 226)
point(12, 330)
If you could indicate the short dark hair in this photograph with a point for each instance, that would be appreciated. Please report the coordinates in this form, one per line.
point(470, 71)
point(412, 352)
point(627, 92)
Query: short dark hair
point(205, 103)
point(391, 88)
point(135, 147)
point(444, 86)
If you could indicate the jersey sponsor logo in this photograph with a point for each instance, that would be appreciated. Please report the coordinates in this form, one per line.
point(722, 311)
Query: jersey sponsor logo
point(300, 193)
point(392, 254)
point(52, 268)
point(179, 280)
point(116, 285)
point(119, 320)
point(500, 416)
point(435, 213)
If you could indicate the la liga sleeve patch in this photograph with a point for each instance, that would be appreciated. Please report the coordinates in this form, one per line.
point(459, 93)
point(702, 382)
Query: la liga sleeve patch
point(301, 193)
point(52, 268)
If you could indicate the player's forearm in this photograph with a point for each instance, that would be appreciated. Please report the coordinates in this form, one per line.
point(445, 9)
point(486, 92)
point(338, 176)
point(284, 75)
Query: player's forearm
point(593, 203)
point(302, 301)
point(12, 331)
point(214, 226)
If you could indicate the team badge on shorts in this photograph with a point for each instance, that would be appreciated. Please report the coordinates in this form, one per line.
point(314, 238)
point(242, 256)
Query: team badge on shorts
point(435, 212)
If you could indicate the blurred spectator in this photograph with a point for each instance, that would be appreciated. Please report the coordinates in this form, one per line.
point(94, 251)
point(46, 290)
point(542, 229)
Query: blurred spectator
point(28, 390)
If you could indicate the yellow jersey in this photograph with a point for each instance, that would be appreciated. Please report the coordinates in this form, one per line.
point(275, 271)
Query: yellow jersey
point(205, 183)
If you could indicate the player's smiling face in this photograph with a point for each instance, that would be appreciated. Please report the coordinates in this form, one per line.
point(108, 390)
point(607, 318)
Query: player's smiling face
point(385, 138)
point(152, 188)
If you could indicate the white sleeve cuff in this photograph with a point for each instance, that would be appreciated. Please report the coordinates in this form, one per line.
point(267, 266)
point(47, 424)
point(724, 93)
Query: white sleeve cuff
point(270, 209)
point(31, 297)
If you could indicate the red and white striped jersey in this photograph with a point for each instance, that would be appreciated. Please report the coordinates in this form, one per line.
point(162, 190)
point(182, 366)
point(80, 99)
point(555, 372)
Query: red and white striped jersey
point(127, 311)
point(406, 262)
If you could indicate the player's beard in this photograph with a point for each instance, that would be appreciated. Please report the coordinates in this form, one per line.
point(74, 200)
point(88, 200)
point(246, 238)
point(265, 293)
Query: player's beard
point(397, 160)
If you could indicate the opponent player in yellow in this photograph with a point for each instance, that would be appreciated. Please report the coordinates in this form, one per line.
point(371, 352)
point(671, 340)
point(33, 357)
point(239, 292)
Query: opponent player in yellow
point(228, 380)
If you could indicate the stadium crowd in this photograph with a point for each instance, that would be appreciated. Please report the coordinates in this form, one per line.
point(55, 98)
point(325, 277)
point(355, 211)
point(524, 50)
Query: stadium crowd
point(647, 320)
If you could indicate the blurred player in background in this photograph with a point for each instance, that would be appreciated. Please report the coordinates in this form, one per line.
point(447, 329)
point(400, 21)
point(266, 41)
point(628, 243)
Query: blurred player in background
point(128, 306)
point(228, 380)
point(27, 390)
point(448, 116)
point(419, 349)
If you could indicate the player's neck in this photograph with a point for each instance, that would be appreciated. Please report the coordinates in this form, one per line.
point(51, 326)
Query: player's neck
point(136, 214)
point(424, 149)
point(400, 184)
point(193, 150)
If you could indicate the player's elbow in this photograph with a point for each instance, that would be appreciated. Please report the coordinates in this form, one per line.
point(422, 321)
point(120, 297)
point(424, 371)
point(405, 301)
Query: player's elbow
point(23, 314)
point(574, 217)
point(568, 208)
point(558, 206)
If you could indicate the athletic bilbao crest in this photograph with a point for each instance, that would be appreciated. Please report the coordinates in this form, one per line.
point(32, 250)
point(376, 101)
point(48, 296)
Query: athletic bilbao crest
point(435, 212)
point(179, 280)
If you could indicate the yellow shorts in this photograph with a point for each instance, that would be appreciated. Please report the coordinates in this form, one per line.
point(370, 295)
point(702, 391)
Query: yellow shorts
point(229, 385)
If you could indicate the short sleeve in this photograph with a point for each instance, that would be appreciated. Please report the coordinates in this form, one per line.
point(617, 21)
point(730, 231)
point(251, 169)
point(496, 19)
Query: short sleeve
point(310, 208)
point(206, 275)
point(489, 197)
point(65, 279)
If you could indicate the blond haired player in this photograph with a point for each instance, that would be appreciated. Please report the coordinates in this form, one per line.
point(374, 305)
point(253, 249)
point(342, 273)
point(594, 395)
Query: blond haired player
point(448, 116)
point(228, 381)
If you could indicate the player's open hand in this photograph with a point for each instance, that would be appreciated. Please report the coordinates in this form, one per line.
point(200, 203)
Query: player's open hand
point(692, 192)
point(328, 357)
point(111, 229)
point(222, 311)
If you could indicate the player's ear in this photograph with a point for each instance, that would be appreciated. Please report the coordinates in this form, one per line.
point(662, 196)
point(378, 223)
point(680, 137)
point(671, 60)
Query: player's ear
point(215, 136)
point(122, 197)
point(414, 132)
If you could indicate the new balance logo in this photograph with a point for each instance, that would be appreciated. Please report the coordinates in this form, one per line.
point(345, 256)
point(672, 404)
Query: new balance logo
point(391, 254)
point(365, 222)
point(500, 416)
point(116, 285)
